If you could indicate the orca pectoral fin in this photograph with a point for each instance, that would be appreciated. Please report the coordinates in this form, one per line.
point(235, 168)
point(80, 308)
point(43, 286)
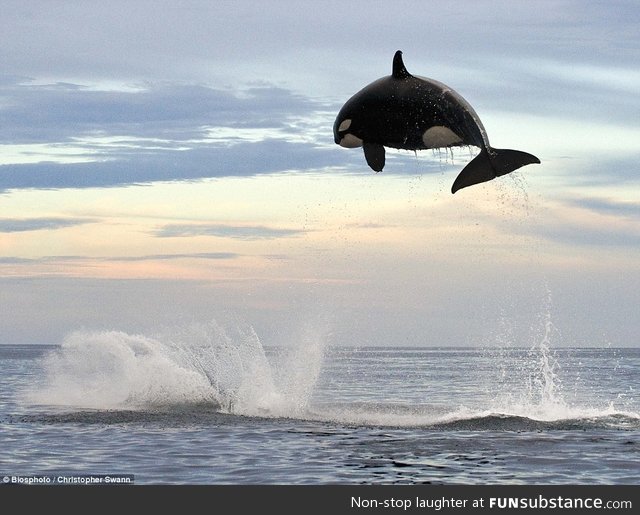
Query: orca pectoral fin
point(374, 154)
point(478, 170)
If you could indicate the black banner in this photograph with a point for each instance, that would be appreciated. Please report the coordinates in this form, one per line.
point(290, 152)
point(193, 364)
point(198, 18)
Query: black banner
point(338, 499)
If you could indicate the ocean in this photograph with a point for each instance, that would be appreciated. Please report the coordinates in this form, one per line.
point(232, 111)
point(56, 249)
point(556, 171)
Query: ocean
point(209, 404)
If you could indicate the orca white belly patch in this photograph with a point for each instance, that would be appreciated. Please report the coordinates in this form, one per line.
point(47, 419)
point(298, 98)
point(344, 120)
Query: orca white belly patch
point(350, 141)
point(440, 136)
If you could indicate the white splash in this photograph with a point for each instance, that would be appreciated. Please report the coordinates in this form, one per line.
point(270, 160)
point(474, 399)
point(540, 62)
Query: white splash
point(112, 369)
point(223, 365)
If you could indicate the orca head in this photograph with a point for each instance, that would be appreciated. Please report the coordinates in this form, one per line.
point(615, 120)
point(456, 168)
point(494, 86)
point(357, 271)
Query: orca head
point(342, 132)
point(348, 123)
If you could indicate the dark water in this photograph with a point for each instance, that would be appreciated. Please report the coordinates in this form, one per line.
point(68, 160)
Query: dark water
point(219, 409)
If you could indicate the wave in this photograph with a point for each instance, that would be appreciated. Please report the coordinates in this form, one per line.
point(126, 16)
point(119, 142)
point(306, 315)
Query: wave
point(462, 418)
point(216, 372)
point(388, 416)
point(503, 422)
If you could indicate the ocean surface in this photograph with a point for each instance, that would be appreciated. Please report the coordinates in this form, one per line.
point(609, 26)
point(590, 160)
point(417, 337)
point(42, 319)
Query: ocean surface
point(208, 404)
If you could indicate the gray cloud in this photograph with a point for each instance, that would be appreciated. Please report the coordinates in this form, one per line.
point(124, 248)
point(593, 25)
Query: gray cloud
point(136, 167)
point(241, 232)
point(630, 210)
point(177, 112)
point(39, 224)
point(242, 159)
point(611, 168)
point(162, 133)
point(165, 257)
point(10, 260)
point(184, 38)
point(483, 48)
point(621, 230)
point(578, 234)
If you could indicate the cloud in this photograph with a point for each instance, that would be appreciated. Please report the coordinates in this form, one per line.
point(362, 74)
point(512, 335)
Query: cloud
point(605, 206)
point(248, 37)
point(557, 88)
point(67, 136)
point(242, 159)
point(8, 225)
point(589, 236)
point(586, 222)
point(12, 260)
point(165, 257)
point(36, 113)
point(241, 232)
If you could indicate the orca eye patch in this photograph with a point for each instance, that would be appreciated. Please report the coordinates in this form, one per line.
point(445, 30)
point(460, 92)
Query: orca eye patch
point(344, 125)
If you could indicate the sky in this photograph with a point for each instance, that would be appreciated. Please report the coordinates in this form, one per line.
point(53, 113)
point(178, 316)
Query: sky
point(162, 163)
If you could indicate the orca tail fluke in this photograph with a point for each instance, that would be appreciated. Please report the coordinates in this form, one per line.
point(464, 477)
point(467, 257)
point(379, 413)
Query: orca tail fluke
point(491, 163)
point(505, 161)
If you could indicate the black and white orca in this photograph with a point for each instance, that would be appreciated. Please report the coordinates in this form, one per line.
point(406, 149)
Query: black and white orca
point(408, 112)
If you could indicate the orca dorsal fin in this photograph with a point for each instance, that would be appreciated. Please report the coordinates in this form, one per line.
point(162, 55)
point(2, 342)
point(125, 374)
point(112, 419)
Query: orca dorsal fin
point(399, 71)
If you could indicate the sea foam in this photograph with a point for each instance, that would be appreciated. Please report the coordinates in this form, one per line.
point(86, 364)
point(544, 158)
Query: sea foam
point(219, 364)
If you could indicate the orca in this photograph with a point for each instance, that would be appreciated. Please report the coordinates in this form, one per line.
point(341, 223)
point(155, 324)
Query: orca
point(409, 112)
